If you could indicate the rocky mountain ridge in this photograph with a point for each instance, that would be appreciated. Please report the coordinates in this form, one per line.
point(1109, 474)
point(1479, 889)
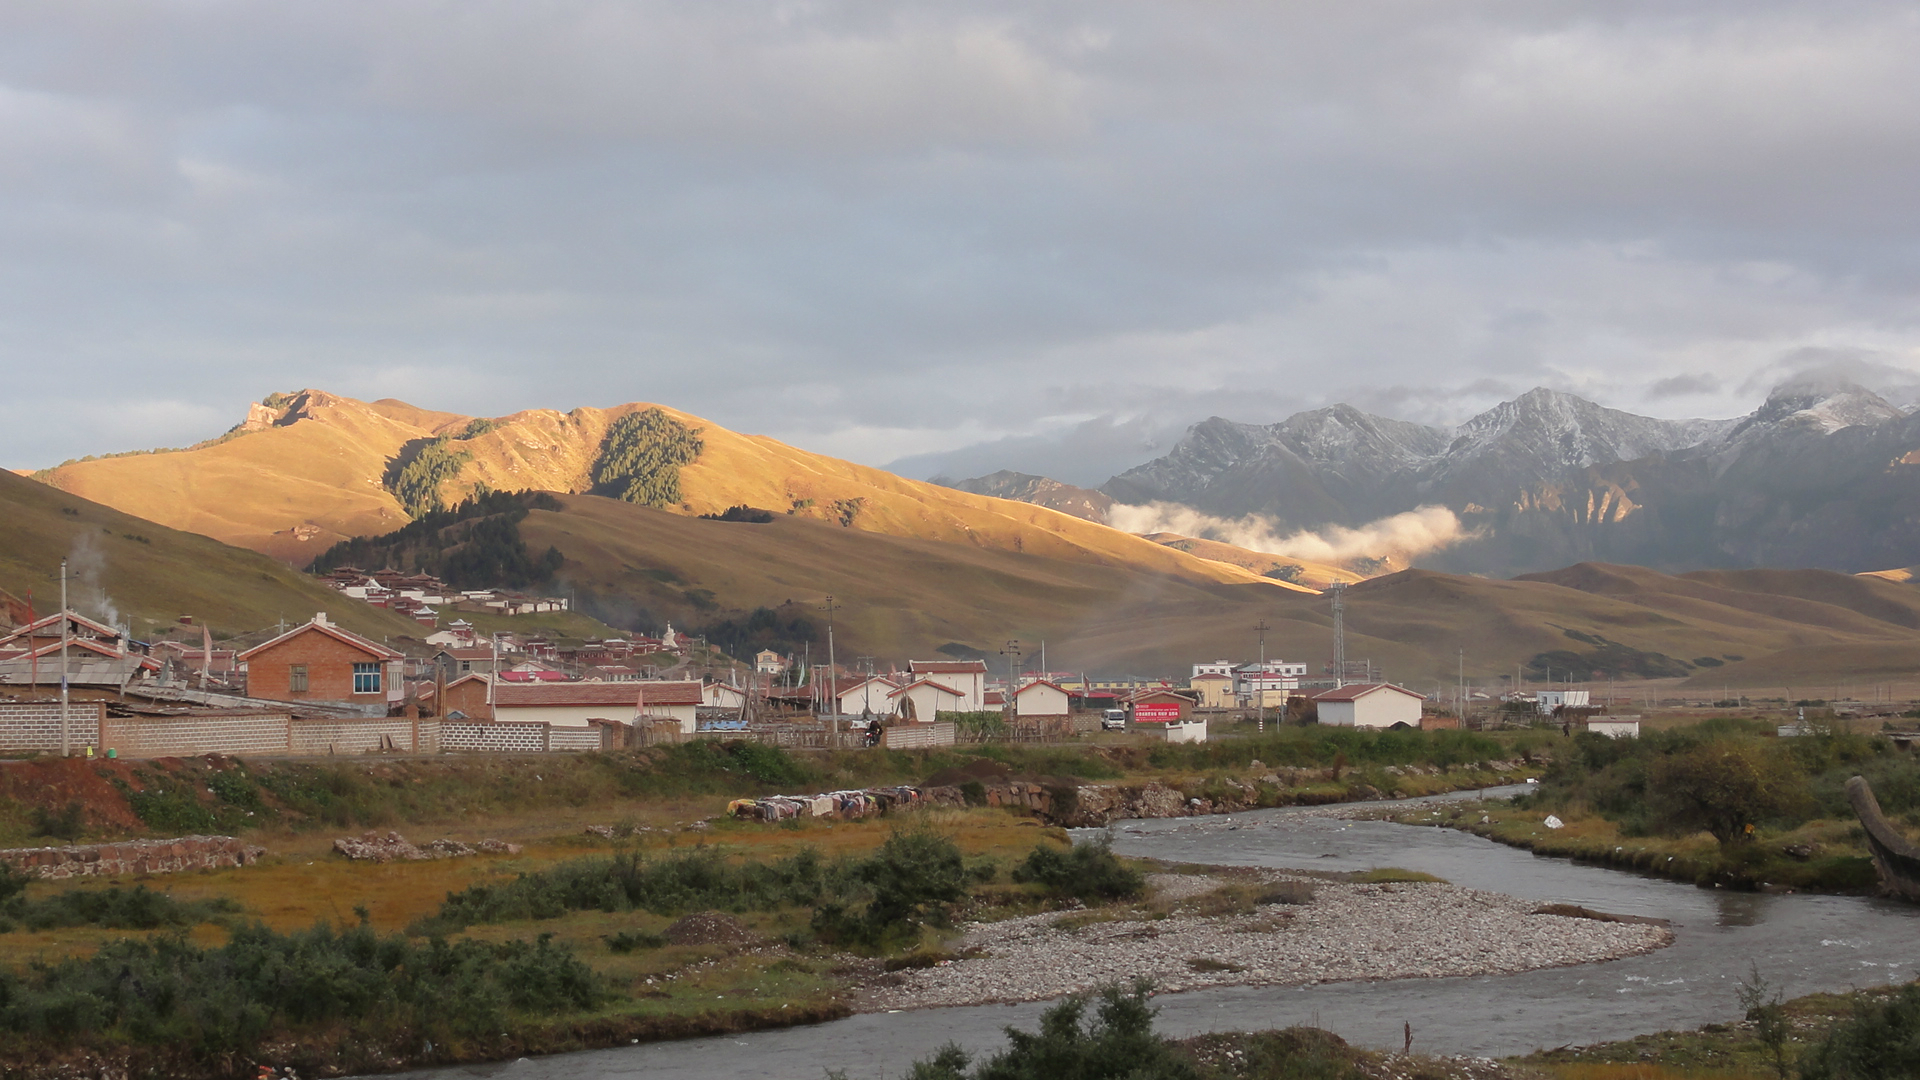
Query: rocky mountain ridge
point(1823, 474)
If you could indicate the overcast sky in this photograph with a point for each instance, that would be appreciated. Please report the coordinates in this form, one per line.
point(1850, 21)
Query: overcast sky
point(891, 231)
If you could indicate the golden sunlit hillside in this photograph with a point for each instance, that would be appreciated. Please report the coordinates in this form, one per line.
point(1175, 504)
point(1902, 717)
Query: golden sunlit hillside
point(312, 468)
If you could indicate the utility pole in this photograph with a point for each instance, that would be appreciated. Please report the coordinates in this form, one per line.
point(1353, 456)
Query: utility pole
point(1012, 653)
point(1339, 590)
point(66, 626)
point(833, 676)
point(1260, 702)
point(1461, 700)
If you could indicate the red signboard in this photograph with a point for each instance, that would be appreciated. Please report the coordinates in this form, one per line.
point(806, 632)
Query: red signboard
point(1156, 711)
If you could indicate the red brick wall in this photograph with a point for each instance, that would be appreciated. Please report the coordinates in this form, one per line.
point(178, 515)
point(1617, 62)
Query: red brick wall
point(469, 698)
point(329, 670)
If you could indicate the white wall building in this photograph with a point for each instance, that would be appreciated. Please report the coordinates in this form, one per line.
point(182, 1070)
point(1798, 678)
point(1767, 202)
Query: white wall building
point(1041, 698)
point(1548, 700)
point(722, 696)
point(1275, 678)
point(871, 696)
point(968, 678)
point(1218, 667)
point(1186, 731)
point(1369, 705)
point(925, 699)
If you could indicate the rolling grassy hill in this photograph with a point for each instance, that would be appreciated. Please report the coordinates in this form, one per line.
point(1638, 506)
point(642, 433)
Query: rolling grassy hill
point(312, 468)
point(140, 571)
point(902, 597)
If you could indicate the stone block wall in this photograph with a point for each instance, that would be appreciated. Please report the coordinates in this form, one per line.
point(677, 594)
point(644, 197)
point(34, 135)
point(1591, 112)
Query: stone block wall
point(393, 734)
point(917, 736)
point(562, 738)
point(133, 857)
point(186, 736)
point(36, 725)
point(503, 738)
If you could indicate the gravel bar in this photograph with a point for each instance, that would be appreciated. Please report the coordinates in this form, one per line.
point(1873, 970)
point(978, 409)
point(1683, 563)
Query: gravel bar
point(1348, 932)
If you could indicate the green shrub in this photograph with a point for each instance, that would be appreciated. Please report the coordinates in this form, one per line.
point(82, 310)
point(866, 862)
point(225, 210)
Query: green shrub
point(627, 941)
point(225, 1000)
point(908, 883)
point(1086, 872)
point(67, 823)
point(115, 908)
point(1299, 1054)
point(1880, 1042)
point(1119, 1044)
point(696, 880)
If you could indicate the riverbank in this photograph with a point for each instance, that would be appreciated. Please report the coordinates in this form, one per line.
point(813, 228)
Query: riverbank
point(1262, 928)
point(1821, 857)
point(655, 805)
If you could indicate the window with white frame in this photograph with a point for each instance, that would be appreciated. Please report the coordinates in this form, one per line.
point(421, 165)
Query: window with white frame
point(366, 678)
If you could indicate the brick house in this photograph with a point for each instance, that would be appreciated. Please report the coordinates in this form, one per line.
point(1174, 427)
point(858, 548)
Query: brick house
point(466, 695)
point(323, 664)
point(1157, 706)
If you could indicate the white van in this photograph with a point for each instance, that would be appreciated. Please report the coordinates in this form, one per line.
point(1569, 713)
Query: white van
point(1113, 720)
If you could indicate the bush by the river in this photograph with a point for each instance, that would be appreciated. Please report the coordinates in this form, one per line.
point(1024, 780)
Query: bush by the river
point(115, 907)
point(877, 902)
point(1880, 1042)
point(167, 991)
point(696, 880)
point(1086, 872)
point(1117, 1043)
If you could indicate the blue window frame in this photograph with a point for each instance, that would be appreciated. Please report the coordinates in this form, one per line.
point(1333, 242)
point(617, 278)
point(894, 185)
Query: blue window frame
point(366, 678)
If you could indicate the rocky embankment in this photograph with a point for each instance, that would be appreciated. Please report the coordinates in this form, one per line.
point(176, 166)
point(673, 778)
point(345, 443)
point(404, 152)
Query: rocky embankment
point(1094, 805)
point(1342, 932)
point(392, 847)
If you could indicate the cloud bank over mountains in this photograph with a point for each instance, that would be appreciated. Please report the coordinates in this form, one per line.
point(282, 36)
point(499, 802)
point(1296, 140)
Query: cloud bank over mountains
point(1404, 536)
point(899, 231)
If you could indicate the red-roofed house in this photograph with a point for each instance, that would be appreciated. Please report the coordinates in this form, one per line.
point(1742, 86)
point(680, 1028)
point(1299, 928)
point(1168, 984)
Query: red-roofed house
point(968, 678)
point(323, 664)
point(1369, 705)
point(578, 704)
point(868, 696)
point(925, 700)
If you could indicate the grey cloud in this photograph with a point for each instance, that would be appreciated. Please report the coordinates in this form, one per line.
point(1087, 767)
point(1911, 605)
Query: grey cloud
point(861, 225)
point(1086, 454)
point(1683, 386)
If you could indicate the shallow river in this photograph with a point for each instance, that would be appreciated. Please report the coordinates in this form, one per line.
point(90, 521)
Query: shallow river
point(1800, 943)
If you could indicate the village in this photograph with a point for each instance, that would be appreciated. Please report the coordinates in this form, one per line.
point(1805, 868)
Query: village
point(77, 685)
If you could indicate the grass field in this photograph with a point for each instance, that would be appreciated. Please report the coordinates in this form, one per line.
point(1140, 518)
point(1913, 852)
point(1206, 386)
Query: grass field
point(138, 571)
